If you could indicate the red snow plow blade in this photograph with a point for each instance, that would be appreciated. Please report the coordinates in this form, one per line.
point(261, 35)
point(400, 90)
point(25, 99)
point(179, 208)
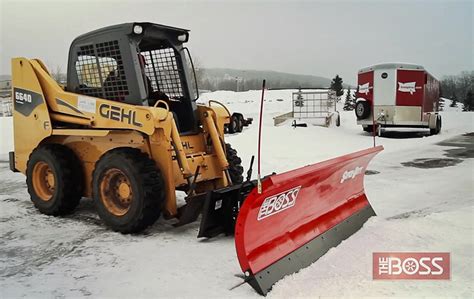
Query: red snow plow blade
point(299, 216)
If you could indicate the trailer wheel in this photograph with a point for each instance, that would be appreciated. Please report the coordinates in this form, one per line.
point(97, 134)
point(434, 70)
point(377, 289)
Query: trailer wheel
point(54, 179)
point(128, 190)
point(338, 120)
point(362, 109)
point(235, 168)
point(369, 128)
point(233, 125)
point(240, 122)
point(437, 128)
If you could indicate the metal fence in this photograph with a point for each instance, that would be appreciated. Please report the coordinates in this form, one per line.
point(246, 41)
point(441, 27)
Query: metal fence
point(314, 104)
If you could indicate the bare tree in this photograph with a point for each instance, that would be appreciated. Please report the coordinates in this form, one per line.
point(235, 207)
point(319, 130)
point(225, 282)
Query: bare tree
point(58, 75)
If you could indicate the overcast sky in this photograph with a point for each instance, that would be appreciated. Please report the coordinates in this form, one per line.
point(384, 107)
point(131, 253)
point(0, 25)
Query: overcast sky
point(306, 37)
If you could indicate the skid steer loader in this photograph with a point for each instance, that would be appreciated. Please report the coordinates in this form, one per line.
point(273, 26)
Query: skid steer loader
point(126, 131)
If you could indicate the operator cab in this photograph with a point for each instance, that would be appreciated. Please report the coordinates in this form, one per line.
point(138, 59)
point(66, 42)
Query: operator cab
point(138, 64)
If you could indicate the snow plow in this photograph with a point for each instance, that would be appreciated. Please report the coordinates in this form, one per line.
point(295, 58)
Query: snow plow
point(299, 216)
point(127, 132)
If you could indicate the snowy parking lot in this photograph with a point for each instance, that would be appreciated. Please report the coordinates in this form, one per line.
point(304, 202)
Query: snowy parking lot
point(420, 186)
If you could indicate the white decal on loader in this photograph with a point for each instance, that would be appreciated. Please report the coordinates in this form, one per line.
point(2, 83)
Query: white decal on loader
point(277, 203)
point(350, 174)
point(408, 87)
point(86, 104)
point(22, 98)
point(364, 88)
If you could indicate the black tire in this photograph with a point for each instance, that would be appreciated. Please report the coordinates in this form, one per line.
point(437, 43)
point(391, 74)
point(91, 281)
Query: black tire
point(362, 109)
point(233, 125)
point(241, 119)
point(240, 122)
point(437, 129)
point(338, 121)
point(235, 165)
point(439, 125)
point(61, 193)
point(145, 184)
point(368, 129)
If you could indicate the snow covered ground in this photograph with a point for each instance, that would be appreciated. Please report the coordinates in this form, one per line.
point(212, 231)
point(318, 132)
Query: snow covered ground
point(419, 209)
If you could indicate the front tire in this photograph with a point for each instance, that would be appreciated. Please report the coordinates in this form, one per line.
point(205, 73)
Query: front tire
point(54, 179)
point(128, 190)
point(235, 165)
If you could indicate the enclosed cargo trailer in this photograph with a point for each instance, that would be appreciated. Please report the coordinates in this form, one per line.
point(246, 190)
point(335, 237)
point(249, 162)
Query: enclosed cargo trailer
point(397, 95)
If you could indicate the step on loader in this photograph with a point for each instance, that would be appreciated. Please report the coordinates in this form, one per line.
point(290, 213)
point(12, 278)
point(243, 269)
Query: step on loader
point(126, 131)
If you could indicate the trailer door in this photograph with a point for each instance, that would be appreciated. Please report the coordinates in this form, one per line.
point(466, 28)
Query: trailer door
point(410, 87)
point(384, 87)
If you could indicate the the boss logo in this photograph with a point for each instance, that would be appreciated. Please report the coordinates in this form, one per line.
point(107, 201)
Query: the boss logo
point(119, 114)
point(22, 98)
point(350, 174)
point(411, 265)
point(277, 203)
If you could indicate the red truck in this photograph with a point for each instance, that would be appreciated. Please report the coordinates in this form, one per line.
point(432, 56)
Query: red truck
point(397, 95)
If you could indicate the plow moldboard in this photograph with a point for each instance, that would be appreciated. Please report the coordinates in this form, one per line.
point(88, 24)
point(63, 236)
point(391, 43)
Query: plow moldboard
point(299, 216)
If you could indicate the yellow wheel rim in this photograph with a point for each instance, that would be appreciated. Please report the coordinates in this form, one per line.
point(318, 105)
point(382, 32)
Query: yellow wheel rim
point(44, 181)
point(116, 192)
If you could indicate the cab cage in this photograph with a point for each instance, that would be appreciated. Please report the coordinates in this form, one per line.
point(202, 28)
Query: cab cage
point(105, 63)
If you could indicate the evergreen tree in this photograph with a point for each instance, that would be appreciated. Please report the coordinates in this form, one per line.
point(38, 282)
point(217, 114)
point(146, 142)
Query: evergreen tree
point(348, 104)
point(336, 85)
point(454, 101)
point(354, 98)
point(469, 101)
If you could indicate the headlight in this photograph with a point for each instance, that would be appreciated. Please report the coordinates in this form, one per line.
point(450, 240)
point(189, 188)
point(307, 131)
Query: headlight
point(137, 29)
point(182, 37)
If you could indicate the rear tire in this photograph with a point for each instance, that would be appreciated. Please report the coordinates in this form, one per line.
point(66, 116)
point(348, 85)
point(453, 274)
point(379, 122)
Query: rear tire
point(128, 190)
point(54, 179)
point(235, 165)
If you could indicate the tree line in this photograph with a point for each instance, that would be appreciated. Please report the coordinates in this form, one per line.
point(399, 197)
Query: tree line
point(209, 81)
point(242, 84)
point(459, 88)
